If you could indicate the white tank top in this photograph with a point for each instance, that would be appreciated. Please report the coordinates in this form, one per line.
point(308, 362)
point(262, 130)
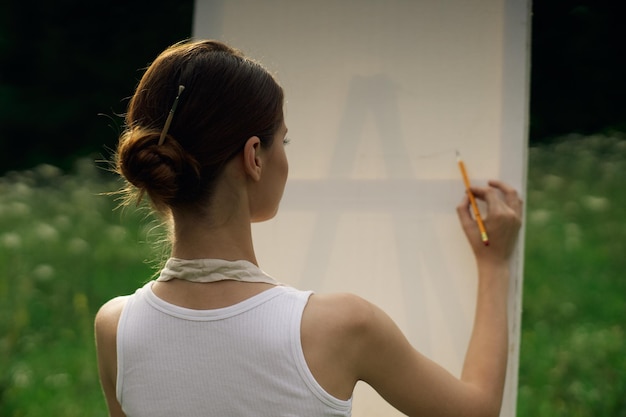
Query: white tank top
point(242, 360)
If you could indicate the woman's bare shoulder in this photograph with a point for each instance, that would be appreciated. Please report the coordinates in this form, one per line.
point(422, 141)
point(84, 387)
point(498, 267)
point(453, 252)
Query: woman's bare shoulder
point(340, 316)
point(106, 322)
point(109, 314)
point(344, 308)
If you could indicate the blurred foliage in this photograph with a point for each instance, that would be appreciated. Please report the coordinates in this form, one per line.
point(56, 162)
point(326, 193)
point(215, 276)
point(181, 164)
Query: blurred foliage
point(573, 360)
point(64, 63)
point(63, 252)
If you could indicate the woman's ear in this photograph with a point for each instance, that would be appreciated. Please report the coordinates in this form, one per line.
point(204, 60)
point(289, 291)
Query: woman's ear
point(251, 158)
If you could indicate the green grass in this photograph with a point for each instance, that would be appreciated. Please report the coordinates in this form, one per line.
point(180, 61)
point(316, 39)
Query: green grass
point(573, 352)
point(64, 251)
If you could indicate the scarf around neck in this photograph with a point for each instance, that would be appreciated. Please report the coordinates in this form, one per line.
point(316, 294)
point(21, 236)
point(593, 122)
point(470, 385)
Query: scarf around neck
point(213, 270)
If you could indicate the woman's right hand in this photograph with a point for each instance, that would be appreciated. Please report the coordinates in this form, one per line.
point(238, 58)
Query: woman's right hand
point(502, 221)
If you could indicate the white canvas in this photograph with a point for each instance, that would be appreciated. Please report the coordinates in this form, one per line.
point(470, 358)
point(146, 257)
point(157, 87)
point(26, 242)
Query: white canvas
point(380, 95)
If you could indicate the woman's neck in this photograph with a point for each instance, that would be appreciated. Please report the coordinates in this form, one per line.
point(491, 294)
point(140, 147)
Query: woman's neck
point(224, 232)
point(197, 240)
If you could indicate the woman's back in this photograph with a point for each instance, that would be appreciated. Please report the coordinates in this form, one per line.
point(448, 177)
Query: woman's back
point(241, 360)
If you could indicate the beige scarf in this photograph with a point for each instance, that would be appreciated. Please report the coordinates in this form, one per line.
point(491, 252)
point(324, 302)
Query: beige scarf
point(212, 270)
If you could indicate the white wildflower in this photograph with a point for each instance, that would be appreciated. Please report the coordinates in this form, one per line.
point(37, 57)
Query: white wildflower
point(552, 182)
point(22, 376)
point(11, 240)
point(22, 189)
point(43, 272)
point(45, 231)
point(63, 222)
point(77, 246)
point(116, 233)
point(18, 209)
point(596, 203)
point(539, 217)
point(48, 171)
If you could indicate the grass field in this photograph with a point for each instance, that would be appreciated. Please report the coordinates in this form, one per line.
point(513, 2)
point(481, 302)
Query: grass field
point(573, 353)
point(64, 251)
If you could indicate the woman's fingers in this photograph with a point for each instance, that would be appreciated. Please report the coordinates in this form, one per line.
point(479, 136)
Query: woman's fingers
point(464, 211)
point(510, 195)
point(497, 194)
point(502, 218)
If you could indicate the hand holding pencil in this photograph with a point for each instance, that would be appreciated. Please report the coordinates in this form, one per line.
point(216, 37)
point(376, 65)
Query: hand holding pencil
point(502, 220)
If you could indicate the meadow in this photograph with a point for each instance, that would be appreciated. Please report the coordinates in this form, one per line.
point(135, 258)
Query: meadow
point(64, 250)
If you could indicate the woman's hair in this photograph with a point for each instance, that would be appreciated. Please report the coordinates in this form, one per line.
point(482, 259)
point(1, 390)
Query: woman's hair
point(227, 99)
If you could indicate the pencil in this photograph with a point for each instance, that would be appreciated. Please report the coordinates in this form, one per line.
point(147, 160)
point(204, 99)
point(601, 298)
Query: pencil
point(479, 220)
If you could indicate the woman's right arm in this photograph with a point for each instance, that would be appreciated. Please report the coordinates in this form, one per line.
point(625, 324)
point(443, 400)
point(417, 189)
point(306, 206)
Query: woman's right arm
point(414, 384)
point(486, 358)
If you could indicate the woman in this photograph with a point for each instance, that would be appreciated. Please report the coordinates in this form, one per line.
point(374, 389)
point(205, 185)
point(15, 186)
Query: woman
point(214, 335)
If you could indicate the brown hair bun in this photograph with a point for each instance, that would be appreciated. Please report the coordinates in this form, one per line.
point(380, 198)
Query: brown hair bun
point(165, 172)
